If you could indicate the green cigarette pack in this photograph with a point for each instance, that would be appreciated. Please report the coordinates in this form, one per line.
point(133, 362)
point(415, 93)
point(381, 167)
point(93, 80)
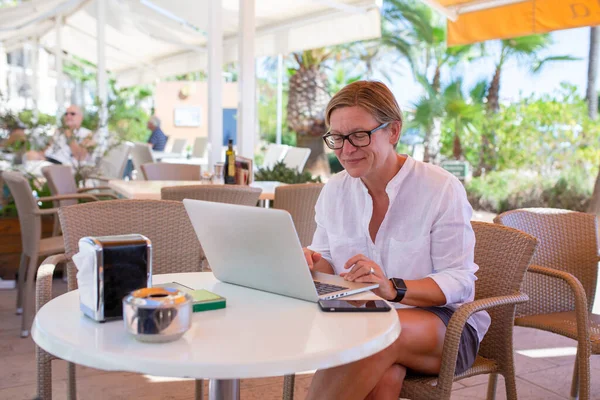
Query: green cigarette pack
point(204, 300)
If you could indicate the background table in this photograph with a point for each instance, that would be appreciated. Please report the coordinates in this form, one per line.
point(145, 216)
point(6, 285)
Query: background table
point(257, 335)
point(150, 190)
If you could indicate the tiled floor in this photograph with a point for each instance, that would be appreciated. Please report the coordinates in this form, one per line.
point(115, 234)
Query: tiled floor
point(542, 374)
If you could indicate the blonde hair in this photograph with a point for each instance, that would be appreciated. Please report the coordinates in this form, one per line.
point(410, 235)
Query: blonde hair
point(373, 96)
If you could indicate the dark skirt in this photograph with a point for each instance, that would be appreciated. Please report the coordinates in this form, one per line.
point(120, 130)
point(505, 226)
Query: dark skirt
point(469, 341)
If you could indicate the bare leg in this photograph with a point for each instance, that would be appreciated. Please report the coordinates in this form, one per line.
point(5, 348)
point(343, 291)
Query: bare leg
point(419, 347)
point(390, 384)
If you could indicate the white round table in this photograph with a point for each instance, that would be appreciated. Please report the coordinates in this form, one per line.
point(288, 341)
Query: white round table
point(257, 335)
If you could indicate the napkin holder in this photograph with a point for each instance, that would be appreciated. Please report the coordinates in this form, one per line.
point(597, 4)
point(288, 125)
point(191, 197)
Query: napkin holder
point(109, 268)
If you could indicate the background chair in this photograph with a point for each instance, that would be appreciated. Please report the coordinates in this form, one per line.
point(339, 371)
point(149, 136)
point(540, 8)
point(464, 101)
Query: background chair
point(141, 153)
point(175, 248)
point(562, 281)
point(61, 181)
point(112, 165)
point(171, 172)
point(232, 194)
point(503, 255)
point(178, 146)
point(33, 246)
point(199, 148)
point(296, 158)
point(275, 153)
point(299, 200)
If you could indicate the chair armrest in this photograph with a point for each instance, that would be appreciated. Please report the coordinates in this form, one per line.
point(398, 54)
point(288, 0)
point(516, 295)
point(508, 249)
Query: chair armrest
point(457, 324)
point(581, 303)
point(99, 194)
point(74, 196)
point(43, 284)
point(87, 189)
point(584, 346)
point(45, 211)
point(100, 178)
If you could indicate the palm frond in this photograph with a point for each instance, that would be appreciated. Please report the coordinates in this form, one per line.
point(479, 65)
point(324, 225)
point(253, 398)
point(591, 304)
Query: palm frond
point(538, 64)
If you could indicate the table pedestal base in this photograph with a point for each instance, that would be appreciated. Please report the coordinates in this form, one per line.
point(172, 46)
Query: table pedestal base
point(224, 389)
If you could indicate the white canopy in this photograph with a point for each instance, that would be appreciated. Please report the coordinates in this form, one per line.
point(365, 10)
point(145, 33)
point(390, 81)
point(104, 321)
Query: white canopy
point(150, 39)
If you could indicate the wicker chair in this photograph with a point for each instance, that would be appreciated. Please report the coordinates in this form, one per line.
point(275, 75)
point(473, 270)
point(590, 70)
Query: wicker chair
point(61, 181)
point(299, 200)
point(141, 153)
point(175, 248)
point(503, 255)
point(562, 281)
point(33, 246)
point(232, 194)
point(171, 172)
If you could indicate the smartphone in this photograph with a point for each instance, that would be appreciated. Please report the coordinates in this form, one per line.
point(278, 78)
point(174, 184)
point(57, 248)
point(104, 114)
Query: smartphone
point(354, 305)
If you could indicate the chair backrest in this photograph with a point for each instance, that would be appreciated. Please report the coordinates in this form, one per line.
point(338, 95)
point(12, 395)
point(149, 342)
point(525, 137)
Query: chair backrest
point(60, 180)
point(178, 145)
point(300, 200)
point(175, 246)
point(113, 164)
point(503, 255)
point(568, 241)
point(141, 154)
point(199, 148)
point(296, 158)
point(232, 194)
point(171, 172)
point(275, 153)
point(31, 224)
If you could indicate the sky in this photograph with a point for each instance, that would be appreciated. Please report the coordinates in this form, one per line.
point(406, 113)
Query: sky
point(516, 81)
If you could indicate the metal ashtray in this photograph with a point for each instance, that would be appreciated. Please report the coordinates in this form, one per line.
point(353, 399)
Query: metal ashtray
point(157, 314)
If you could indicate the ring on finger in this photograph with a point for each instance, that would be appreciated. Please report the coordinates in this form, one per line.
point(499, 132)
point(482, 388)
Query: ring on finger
point(372, 271)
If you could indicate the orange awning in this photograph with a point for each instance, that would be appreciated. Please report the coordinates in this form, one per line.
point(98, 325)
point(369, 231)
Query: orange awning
point(471, 21)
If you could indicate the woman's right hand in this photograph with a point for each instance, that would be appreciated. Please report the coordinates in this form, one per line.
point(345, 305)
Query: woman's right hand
point(312, 257)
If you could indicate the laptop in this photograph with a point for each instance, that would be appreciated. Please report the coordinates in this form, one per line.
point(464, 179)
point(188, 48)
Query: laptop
point(259, 248)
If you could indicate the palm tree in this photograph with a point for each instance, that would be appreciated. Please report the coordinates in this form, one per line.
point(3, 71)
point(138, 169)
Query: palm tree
point(465, 114)
point(419, 35)
point(527, 49)
point(524, 48)
point(307, 99)
point(592, 99)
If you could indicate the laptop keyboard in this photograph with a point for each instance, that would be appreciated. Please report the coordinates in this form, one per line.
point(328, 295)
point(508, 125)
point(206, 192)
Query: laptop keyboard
point(326, 288)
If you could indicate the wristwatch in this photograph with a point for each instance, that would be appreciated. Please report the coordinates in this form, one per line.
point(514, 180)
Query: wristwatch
point(400, 287)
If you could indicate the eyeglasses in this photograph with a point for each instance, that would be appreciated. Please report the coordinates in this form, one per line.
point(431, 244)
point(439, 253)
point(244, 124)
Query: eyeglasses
point(71, 113)
point(356, 139)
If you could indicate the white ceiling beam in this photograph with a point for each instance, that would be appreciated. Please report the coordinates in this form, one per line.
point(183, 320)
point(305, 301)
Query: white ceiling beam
point(482, 5)
point(336, 4)
point(446, 12)
point(59, 10)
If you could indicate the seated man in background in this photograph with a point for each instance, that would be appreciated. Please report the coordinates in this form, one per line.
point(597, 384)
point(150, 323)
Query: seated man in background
point(158, 139)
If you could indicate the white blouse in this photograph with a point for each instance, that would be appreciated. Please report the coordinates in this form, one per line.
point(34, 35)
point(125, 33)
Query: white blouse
point(426, 231)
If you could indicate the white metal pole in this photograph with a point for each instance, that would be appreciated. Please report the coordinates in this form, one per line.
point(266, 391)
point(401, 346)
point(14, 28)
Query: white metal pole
point(3, 74)
point(279, 97)
point(215, 82)
point(35, 70)
point(247, 84)
point(58, 54)
point(102, 80)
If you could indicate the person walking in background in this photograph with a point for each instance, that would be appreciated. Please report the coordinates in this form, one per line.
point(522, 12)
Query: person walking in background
point(157, 139)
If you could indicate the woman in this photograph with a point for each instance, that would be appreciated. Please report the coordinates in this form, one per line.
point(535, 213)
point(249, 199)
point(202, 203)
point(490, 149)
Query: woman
point(403, 224)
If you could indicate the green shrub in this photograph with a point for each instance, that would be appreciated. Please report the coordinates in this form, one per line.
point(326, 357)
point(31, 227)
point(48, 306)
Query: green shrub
point(281, 173)
point(507, 190)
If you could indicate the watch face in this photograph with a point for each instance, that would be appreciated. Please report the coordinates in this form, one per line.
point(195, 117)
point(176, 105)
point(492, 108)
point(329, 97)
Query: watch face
point(399, 283)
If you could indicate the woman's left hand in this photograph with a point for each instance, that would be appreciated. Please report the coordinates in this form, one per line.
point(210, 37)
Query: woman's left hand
point(365, 270)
